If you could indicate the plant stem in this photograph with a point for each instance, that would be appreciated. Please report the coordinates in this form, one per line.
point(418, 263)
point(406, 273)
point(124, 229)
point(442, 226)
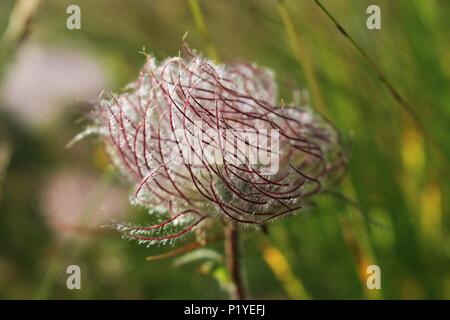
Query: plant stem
point(233, 262)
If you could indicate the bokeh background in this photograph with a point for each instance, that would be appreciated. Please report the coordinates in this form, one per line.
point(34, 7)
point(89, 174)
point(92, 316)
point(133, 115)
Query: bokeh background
point(54, 199)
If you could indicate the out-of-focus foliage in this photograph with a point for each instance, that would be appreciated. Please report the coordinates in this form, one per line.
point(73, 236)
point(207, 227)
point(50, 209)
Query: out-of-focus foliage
point(398, 171)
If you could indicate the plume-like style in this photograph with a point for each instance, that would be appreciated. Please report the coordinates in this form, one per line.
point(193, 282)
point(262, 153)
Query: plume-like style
point(200, 140)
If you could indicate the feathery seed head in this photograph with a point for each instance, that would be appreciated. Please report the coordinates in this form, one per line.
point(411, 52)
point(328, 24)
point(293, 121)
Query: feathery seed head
point(200, 140)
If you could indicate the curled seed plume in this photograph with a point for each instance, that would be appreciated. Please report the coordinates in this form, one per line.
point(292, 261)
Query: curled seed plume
point(200, 140)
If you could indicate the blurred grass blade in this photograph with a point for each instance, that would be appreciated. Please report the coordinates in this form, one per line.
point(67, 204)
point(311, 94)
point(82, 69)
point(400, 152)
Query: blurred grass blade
point(283, 272)
point(301, 55)
point(389, 86)
point(197, 14)
point(71, 248)
point(19, 21)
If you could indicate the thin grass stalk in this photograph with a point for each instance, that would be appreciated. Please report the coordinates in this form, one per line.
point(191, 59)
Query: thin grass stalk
point(388, 85)
point(301, 56)
point(199, 20)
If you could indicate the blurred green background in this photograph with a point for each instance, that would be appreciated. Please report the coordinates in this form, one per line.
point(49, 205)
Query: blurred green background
point(53, 199)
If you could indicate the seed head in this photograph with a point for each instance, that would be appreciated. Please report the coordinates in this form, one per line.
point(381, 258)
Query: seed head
point(205, 141)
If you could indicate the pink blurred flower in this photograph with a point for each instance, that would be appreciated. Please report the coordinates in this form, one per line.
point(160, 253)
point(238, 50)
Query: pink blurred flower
point(42, 80)
point(73, 200)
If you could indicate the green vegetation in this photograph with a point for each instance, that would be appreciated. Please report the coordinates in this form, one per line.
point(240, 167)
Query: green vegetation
point(387, 91)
